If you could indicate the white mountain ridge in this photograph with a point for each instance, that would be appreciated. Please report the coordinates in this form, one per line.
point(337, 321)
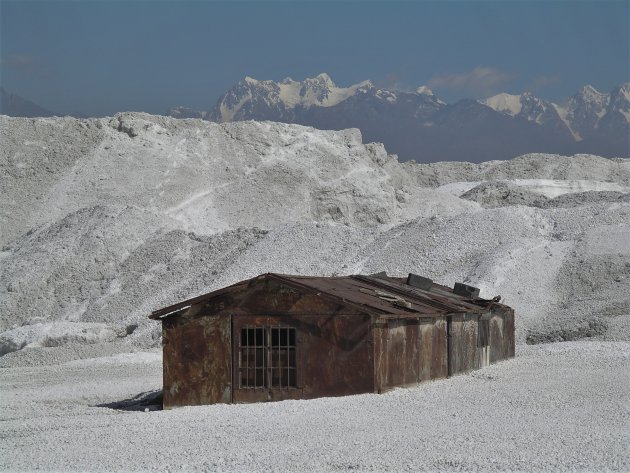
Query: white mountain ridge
point(504, 103)
point(586, 108)
point(581, 113)
point(290, 94)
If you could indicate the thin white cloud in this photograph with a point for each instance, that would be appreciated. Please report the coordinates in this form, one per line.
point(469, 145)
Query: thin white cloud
point(480, 79)
point(26, 66)
point(540, 82)
point(20, 62)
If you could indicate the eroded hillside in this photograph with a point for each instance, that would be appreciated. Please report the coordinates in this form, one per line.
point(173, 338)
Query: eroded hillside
point(104, 220)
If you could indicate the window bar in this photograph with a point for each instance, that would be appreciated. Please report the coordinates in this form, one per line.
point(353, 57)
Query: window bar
point(247, 351)
point(243, 368)
point(250, 367)
point(240, 363)
point(262, 340)
point(272, 364)
point(244, 358)
point(263, 381)
point(255, 357)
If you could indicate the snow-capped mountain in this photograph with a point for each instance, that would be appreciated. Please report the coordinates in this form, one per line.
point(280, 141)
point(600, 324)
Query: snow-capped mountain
point(619, 103)
point(528, 107)
point(417, 125)
point(279, 100)
point(596, 120)
point(617, 114)
point(525, 106)
point(505, 103)
point(612, 129)
point(584, 110)
point(289, 100)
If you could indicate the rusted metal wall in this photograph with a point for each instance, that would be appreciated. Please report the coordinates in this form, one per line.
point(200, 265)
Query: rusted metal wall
point(334, 356)
point(408, 351)
point(502, 339)
point(462, 343)
point(434, 341)
point(197, 361)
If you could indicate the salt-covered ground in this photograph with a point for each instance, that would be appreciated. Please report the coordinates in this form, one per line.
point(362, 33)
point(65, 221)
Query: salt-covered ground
point(555, 407)
point(104, 220)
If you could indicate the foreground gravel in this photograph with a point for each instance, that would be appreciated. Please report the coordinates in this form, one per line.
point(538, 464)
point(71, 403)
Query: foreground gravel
point(556, 407)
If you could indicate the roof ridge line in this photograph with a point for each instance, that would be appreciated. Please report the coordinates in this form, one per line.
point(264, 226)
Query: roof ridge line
point(328, 295)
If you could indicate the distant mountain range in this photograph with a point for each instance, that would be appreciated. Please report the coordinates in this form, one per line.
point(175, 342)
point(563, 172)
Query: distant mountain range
point(418, 125)
point(16, 106)
point(13, 105)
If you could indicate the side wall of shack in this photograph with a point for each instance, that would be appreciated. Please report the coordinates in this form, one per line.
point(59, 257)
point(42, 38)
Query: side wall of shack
point(197, 361)
point(463, 335)
point(501, 334)
point(408, 351)
point(476, 341)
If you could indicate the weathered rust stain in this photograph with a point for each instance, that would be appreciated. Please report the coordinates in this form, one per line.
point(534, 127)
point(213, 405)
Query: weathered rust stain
point(196, 367)
point(463, 333)
point(502, 335)
point(408, 352)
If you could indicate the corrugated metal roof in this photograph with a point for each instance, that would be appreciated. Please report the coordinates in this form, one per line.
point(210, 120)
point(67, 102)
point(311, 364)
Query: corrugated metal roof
point(376, 295)
point(389, 295)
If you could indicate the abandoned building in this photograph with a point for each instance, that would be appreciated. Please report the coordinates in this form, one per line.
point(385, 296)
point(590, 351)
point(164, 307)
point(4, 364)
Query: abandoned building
point(278, 337)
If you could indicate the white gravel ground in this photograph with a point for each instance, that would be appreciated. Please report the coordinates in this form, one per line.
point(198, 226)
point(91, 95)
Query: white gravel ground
point(555, 407)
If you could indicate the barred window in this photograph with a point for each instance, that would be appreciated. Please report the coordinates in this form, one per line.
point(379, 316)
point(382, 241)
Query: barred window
point(253, 363)
point(283, 366)
point(268, 357)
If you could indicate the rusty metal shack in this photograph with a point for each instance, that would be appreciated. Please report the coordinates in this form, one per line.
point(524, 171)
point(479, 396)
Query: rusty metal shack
point(278, 337)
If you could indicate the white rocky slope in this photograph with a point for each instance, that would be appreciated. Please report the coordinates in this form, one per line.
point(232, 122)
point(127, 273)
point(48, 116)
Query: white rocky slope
point(104, 220)
point(205, 176)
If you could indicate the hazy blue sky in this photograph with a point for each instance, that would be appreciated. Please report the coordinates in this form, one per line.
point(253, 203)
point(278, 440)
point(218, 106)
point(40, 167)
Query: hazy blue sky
point(101, 57)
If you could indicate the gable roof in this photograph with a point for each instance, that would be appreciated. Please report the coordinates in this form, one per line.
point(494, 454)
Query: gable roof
point(378, 295)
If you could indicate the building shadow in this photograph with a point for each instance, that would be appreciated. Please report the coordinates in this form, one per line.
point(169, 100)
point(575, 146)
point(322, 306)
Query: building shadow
point(146, 401)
